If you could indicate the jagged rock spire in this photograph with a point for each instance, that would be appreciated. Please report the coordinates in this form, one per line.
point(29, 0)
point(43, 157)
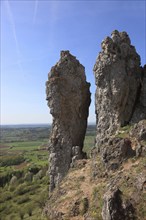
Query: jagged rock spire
point(118, 79)
point(68, 97)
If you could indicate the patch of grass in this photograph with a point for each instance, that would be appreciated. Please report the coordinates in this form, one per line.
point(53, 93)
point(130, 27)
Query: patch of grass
point(97, 201)
point(89, 143)
point(126, 128)
point(26, 145)
point(124, 131)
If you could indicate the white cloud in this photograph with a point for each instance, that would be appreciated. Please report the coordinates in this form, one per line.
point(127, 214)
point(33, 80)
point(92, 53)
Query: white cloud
point(35, 11)
point(13, 27)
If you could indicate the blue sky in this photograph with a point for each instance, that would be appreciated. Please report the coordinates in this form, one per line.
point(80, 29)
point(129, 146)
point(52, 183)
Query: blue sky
point(34, 32)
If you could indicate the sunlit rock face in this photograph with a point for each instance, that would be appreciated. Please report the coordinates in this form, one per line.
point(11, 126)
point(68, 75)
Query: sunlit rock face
point(118, 78)
point(68, 98)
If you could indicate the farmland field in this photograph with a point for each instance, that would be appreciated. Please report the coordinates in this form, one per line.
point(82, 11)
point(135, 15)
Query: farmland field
point(24, 178)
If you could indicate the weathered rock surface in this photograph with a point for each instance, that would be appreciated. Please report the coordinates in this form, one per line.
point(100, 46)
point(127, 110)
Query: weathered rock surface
point(138, 133)
point(116, 151)
point(116, 209)
point(141, 181)
point(118, 77)
point(68, 97)
point(139, 130)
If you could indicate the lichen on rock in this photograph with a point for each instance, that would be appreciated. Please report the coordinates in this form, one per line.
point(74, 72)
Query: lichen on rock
point(68, 98)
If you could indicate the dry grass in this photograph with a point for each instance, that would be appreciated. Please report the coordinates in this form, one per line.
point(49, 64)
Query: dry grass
point(79, 184)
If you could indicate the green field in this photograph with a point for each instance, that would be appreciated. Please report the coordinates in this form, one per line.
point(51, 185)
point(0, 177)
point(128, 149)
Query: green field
point(24, 179)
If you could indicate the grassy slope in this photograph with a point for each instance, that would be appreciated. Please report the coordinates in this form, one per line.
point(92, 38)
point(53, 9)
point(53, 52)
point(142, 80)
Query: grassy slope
point(80, 184)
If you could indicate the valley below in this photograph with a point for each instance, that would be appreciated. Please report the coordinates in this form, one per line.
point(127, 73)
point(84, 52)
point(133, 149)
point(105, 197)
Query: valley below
point(24, 178)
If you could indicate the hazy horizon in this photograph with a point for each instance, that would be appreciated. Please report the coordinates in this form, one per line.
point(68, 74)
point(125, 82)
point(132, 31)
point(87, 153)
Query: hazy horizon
point(35, 125)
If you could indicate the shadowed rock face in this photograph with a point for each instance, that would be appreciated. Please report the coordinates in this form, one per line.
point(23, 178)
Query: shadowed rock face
point(68, 97)
point(114, 208)
point(116, 151)
point(140, 107)
point(118, 80)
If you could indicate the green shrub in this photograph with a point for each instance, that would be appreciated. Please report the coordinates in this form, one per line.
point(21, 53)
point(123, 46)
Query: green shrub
point(45, 180)
point(84, 206)
point(12, 217)
point(18, 173)
point(11, 160)
point(34, 169)
point(2, 216)
point(5, 196)
point(42, 198)
point(3, 207)
point(12, 188)
point(25, 188)
point(22, 189)
point(28, 176)
point(21, 214)
point(23, 199)
point(5, 178)
point(29, 209)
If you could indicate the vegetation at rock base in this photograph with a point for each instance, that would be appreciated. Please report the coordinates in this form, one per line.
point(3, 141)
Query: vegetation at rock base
point(69, 197)
point(24, 183)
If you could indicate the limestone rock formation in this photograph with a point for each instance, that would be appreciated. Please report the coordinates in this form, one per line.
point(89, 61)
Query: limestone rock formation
point(139, 130)
point(68, 97)
point(118, 77)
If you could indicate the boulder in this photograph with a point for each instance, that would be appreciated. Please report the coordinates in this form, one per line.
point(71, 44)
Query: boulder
point(115, 152)
point(114, 208)
point(140, 182)
point(139, 131)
